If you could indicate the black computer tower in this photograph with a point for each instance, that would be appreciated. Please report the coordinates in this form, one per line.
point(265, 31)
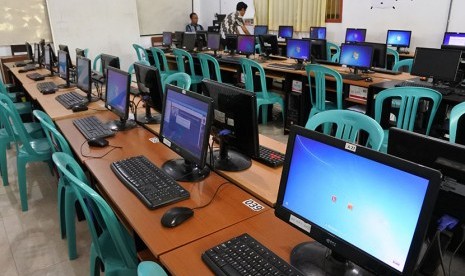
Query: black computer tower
point(297, 108)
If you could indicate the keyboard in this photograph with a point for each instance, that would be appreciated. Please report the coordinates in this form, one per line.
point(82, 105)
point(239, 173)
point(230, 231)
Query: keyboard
point(35, 76)
point(327, 62)
point(385, 71)
point(285, 66)
point(22, 63)
point(244, 255)
point(352, 77)
point(47, 87)
point(70, 99)
point(92, 127)
point(153, 186)
point(270, 157)
point(230, 59)
point(277, 57)
point(444, 90)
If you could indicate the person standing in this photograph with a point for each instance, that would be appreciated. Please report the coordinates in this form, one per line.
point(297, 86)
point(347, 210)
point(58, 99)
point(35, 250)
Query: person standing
point(233, 21)
point(194, 26)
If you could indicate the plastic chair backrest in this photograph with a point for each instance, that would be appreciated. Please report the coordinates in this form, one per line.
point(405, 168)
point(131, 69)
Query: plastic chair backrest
point(405, 62)
point(97, 60)
point(149, 268)
point(248, 67)
point(258, 47)
point(157, 55)
point(349, 124)
point(409, 100)
point(141, 52)
point(86, 52)
point(394, 53)
point(180, 55)
point(205, 60)
point(319, 75)
point(56, 140)
point(182, 80)
point(329, 55)
point(455, 114)
point(95, 210)
point(3, 89)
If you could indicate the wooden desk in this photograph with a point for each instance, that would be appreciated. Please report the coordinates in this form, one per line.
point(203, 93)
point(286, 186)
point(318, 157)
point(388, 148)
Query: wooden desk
point(21, 77)
point(272, 232)
point(8, 62)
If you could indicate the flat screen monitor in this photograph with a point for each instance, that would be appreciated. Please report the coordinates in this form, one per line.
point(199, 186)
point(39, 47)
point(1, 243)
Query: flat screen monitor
point(367, 207)
point(201, 40)
point(449, 158)
point(178, 36)
point(269, 44)
point(167, 39)
point(260, 30)
point(30, 54)
point(236, 131)
point(231, 43)
point(80, 52)
point(318, 32)
point(37, 54)
point(355, 35)
point(52, 52)
point(84, 77)
point(398, 38)
point(298, 49)
point(188, 41)
point(185, 128)
point(285, 31)
point(63, 68)
point(379, 54)
point(48, 60)
point(66, 49)
point(151, 89)
point(213, 41)
point(454, 39)
point(318, 49)
point(356, 56)
point(246, 44)
point(107, 61)
point(440, 64)
point(117, 97)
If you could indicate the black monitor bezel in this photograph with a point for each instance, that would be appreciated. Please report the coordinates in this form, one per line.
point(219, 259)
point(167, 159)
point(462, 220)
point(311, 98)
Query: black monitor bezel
point(436, 78)
point(399, 45)
point(356, 29)
point(109, 61)
point(322, 43)
point(357, 44)
point(37, 57)
point(310, 32)
point(377, 46)
point(49, 66)
point(88, 89)
point(30, 54)
point(218, 36)
point(193, 37)
point(66, 77)
point(260, 26)
point(231, 42)
point(285, 26)
point(163, 38)
point(156, 94)
point(338, 245)
point(237, 47)
point(125, 114)
point(274, 44)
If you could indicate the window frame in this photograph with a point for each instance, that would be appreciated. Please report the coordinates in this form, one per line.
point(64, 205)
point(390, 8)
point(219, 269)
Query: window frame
point(336, 20)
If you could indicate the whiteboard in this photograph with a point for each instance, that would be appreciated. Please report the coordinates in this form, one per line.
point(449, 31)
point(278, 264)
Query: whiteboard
point(158, 16)
point(23, 20)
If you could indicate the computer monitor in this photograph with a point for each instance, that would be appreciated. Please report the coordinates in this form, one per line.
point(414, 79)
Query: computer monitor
point(52, 51)
point(449, 158)
point(117, 98)
point(285, 31)
point(231, 43)
point(318, 32)
point(439, 64)
point(201, 40)
point(260, 30)
point(188, 41)
point(454, 39)
point(246, 45)
point(213, 41)
point(37, 58)
point(151, 89)
point(84, 77)
point(398, 38)
point(66, 49)
point(355, 35)
point(318, 49)
point(237, 132)
point(167, 39)
point(366, 207)
point(63, 68)
point(80, 52)
point(299, 49)
point(30, 54)
point(269, 44)
point(48, 60)
point(185, 128)
point(107, 61)
point(178, 35)
point(356, 56)
point(379, 54)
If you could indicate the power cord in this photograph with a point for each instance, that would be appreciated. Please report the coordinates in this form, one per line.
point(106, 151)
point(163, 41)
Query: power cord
point(213, 197)
point(101, 156)
point(458, 248)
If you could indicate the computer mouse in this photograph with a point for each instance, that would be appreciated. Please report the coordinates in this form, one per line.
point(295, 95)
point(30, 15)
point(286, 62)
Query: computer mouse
point(79, 107)
point(48, 91)
point(368, 79)
point(97, 142)
point(175, 216)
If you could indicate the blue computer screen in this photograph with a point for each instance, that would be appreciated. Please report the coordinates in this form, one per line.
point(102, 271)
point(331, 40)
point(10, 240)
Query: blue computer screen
point(398, 38)
point(213, 41)
point(83, 74)
point(246, 44)
point(167, 38)
point(285, 31)
point(455, 39)
point(356, 55)
point(318, 32)
point(260, 30)
point(298, 49)
point(184, 122)
point(370, 205)
point(117, 91)
point(355, 35)
point(62, 64)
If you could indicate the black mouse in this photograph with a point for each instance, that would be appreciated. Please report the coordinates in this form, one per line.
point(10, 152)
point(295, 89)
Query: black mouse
point(79, 107)
point(97, 142)
point(368, 79)
point(175, 216)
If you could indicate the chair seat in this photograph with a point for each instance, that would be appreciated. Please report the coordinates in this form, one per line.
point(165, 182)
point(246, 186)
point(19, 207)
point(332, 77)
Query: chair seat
point(23, 108)
point(12, 97)
point(41, 146)
point(272, 97)
point(32, 128)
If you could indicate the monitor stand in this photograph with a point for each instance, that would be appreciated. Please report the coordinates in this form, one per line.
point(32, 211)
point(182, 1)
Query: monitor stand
point(91, 99)
point(66, 85)
point(121, 125)
point(229, 160)
point(185, 171)
point(312, 258)
point(147, 118)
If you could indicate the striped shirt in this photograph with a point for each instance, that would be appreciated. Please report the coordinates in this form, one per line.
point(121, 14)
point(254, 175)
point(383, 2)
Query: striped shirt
point(230, 24)
point(193, 28)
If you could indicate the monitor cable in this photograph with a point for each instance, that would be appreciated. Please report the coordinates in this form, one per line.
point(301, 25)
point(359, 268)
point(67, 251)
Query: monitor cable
point(101, 156)
point(213, 197)
point(457, 249)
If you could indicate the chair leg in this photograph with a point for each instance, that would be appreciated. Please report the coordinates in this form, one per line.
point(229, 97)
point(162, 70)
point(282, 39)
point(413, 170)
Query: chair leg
point(3, 165)
point(94, 263)
point(70, 214)
point(21, 167)
point(61, 208)
point(264, 114)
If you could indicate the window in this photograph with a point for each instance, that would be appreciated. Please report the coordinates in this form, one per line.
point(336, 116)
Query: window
point(334, 11)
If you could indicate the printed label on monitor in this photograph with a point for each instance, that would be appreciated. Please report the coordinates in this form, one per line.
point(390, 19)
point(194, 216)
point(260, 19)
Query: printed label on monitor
point(351, 147)
point(300, 223)
point(167, 142)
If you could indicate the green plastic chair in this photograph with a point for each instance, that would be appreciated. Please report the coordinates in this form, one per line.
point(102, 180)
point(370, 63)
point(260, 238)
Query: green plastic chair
point(394, 53)
point(263, 96)
point(141, 52)
point(28, 148)
point(182, 80)
point(112, 245)
point(205, 61)
point(329, 55)
point(97, 62)
point(86, 52)
point(148, 268)
point(408, 99)
point(4, 90)
point(349, 124)
point(22, 108)
point(318, 100)
point(181, 57)
point(455, 114)
point(403, 63)
point(161, 63)
point(258, 47)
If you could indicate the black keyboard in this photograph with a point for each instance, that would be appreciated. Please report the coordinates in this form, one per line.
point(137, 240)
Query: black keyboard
point(230, 59)
point(47, 87)
point(244, 255)
point(270, 157)
point(385, 71)
point(35, 76)
point(285, 66)
point(352, 77)
point(92, 127)
point(153, 186)
point(70, 99)
point(444, 90)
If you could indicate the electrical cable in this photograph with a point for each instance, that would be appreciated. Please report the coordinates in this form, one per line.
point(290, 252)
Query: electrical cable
point(213, 197)
point(457, 249)
point(101, 156)
point(438, 236)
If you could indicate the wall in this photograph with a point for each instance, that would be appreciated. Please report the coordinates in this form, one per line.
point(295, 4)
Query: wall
point(206, 9)
point(457, 20)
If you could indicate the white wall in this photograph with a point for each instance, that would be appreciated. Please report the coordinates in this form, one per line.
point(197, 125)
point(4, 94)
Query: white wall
point(457, 20)
point(206, 9)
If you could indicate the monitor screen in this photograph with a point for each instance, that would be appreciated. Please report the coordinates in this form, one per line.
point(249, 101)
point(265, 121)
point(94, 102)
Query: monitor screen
point(83, 73)
point(30, 55)
point(167, 37)
point(63, 64)
point(379, 54)
point(36, 53)
point(117, 92)
point(286, 31)
point(246, 44)
point(318, 49)
point(298, 49)
point(188, 41)
point(269, 44)
point(149, 83)
point(355, 35)
point(231, 42)
point(260, 30)
point(213, 41)
point(356, 55)
point(108, 60)
point(47, 56)
point(318, 32)
point(178, 35)
point(442, 65)
point(201, 39)
point(454, 39)
point(398, 38)
point(366, 206)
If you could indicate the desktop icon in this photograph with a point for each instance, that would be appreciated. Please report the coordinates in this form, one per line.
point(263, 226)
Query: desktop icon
point(355, 55)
